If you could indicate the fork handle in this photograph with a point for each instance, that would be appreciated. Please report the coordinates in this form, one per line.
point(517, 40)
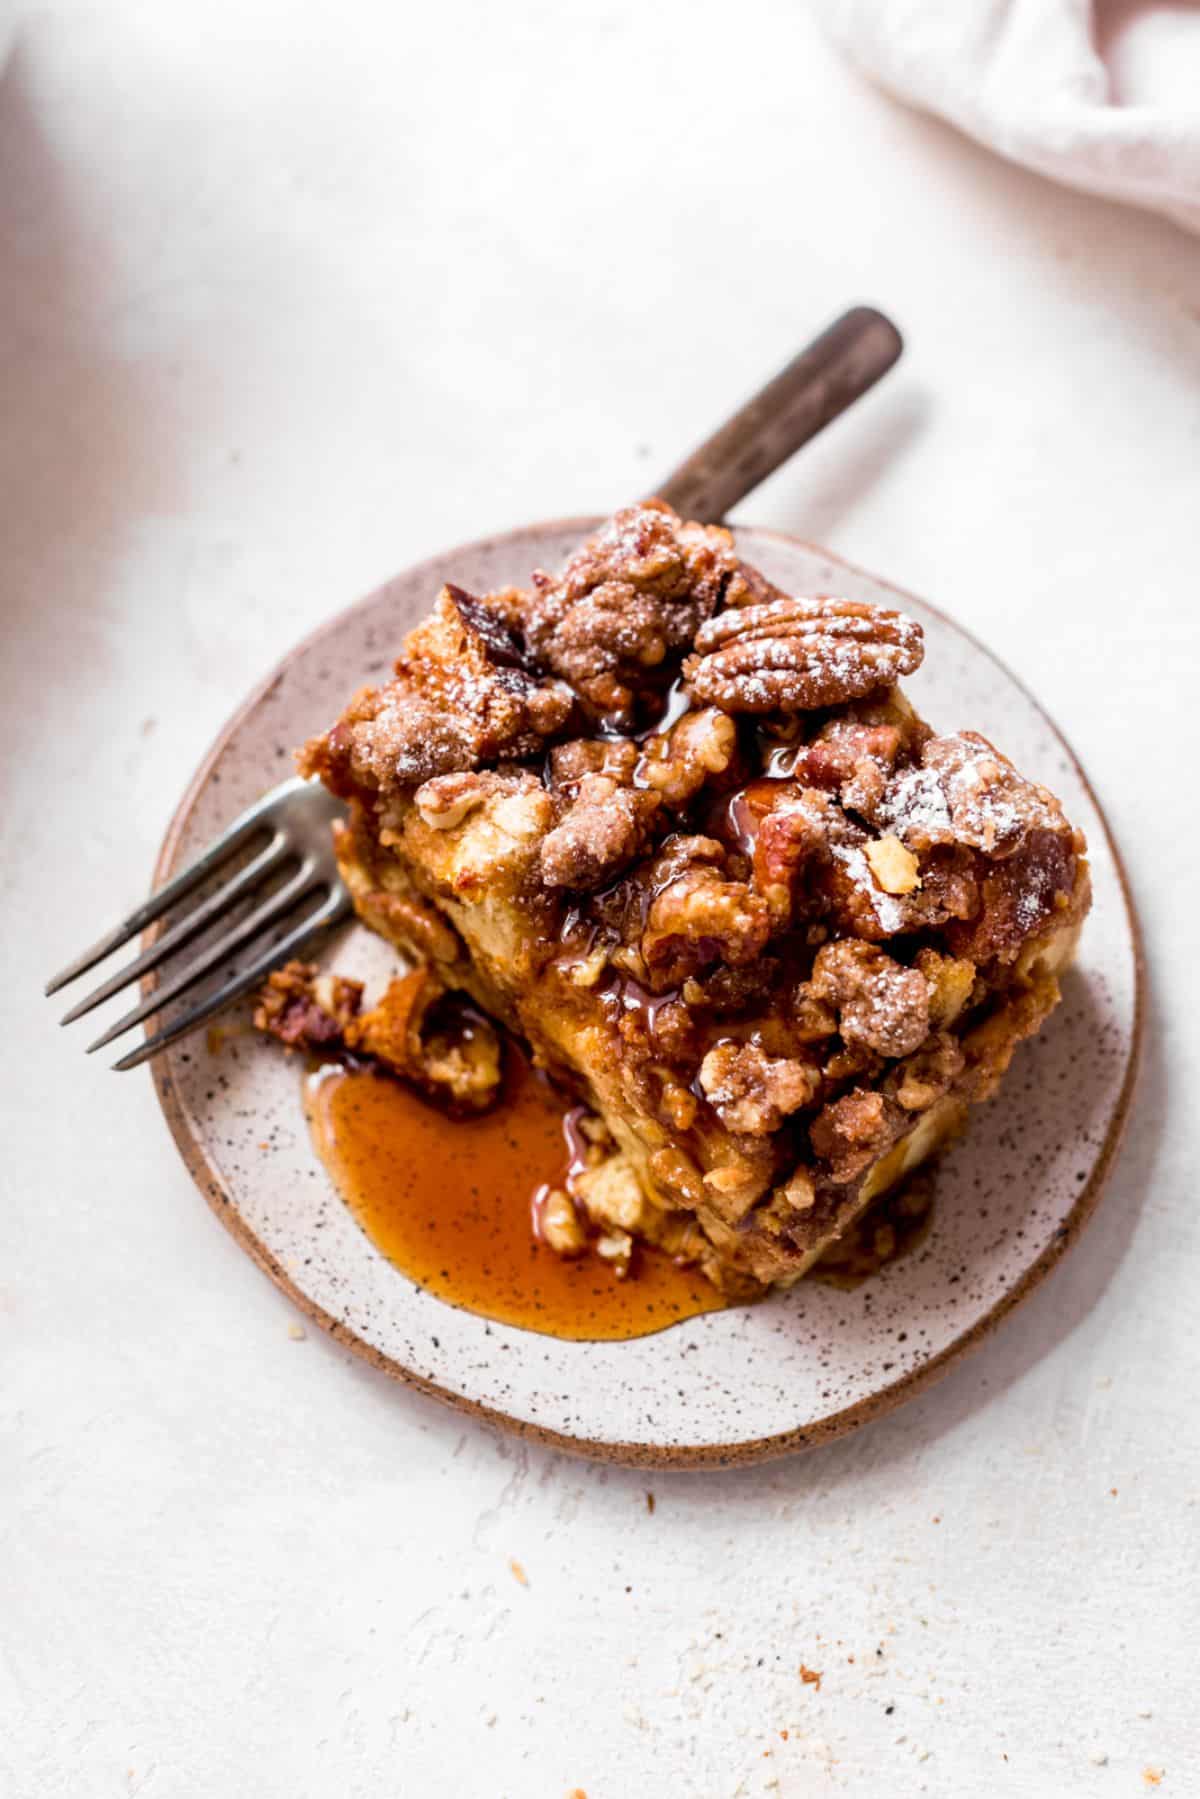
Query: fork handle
point(818, 384)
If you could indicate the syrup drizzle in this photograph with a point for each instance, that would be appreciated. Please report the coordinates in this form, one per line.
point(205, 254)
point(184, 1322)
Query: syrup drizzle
point(449, 1203)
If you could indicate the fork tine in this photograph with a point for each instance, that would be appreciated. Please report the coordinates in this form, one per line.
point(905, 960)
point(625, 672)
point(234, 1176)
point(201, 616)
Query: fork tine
point(185, 929)
point(336, 906)
point(256, 921)
point(253, 818)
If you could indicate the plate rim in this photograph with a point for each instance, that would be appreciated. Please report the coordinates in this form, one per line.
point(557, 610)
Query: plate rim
point(632, 1454)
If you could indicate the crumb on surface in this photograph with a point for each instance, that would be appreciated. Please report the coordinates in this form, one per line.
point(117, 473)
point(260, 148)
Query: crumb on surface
point(810, 1676)
point(518, 1572)
point(296, 1332)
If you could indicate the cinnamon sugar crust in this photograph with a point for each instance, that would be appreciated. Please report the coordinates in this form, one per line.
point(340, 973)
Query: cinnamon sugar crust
point(685, 834)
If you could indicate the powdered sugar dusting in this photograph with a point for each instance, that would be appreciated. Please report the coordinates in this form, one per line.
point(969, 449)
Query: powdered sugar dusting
point(890, 911)
point(967, 792)
point(915, 808)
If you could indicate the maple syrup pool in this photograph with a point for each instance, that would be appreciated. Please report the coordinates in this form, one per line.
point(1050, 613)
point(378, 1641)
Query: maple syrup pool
point(449, 1202)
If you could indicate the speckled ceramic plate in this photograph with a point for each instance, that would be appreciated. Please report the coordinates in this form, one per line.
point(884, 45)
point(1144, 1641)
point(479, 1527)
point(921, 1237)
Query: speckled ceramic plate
point(727, 1387)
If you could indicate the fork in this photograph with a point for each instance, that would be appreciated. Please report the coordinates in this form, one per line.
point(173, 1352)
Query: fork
point(295, 818)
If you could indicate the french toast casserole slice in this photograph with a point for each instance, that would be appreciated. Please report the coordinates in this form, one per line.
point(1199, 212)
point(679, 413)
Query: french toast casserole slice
point(683, 834)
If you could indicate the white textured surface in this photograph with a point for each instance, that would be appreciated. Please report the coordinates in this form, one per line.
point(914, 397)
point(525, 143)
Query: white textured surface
point(292, 297)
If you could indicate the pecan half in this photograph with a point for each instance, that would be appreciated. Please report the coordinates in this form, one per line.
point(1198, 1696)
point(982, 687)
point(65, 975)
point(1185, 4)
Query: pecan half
point(800, 655)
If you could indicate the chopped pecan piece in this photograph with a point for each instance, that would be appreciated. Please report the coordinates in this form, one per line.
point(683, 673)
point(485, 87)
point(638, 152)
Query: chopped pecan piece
point(700, 918)
point(304, 1008)
point(677, 763)
point(616, 1248)
point(949, 885)
point(557, 1223)
point(611, 1194)
point(674, 1030)
point(753, 1092)
point(881, 1005)
point(895, 869)
point(445, 800)
point(791, 847)
point(616, 757)
point(600, 833)
point(950, 981)
point(810, 1019)
point(678, 1105)
point(810, 863)
point(852, 1062)
point(859, 904)
point(612, 1198)
point(800, 655)
point(724, 990)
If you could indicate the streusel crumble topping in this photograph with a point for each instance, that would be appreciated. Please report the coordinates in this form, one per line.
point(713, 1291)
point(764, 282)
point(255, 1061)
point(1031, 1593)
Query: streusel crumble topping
point(685, 834)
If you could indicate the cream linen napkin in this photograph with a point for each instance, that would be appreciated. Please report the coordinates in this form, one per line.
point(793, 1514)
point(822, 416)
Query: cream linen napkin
point(1105, 97)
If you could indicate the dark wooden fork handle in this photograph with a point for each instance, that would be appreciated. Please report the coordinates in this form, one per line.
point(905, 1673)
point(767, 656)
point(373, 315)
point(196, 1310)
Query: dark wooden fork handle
point(817, 385)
